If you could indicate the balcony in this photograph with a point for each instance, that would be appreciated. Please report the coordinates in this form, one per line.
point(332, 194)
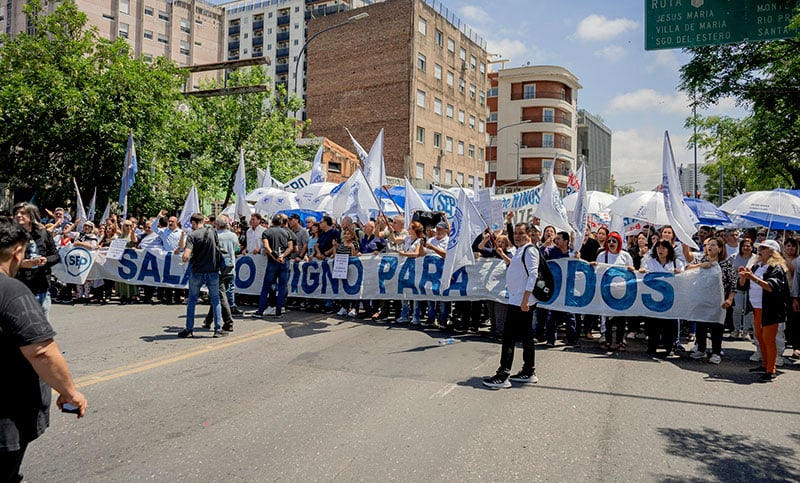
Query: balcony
point(283, 20)
point(258, 24)
point(258, 54)
point(281, 69)
point(282, 53)
point(565, 120)
point(258, 41)
point(234, 29)
point(282, 37)
point(518, 96)
point(233, 45)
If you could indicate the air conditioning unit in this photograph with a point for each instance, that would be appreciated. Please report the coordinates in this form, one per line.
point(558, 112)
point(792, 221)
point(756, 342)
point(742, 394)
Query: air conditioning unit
point(463, 67)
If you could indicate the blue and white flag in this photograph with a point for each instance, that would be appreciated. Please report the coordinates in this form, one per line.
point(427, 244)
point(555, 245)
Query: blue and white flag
point(80, 212)
point(317, 175)
point(190, 207)
point(106, 212)
point(374, 167)
point(580, 215)
point(240, 190)
point(360, 152)
point(129, 171)
point(413, 202)
point(551, 209)
point(678, 213)
point(459, 247)
point(354, 199)
point(90, 213)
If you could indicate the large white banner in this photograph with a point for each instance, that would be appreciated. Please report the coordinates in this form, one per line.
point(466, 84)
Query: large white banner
point(580, 288)
point(522, 203)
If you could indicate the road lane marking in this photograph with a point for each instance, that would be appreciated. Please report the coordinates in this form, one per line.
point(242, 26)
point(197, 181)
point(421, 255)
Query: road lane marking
point(447, 389)
point(171, 358)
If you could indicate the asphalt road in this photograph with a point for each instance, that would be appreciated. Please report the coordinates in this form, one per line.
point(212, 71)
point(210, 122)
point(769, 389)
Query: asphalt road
point(311, 398)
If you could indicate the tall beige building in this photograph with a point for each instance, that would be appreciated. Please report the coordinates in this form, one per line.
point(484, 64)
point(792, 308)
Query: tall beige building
point(186, 31)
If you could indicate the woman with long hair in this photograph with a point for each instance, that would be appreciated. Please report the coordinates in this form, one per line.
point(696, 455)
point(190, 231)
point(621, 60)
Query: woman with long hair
point(413, 247)
point(664, 331)
point(742, 311)
point(40, 254)
point(766, 282)
point(613, 254)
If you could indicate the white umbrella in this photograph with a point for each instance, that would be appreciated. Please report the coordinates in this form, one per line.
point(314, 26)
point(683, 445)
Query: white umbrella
point(597, 201)
point(274, 202)
point(641, 205)
point(259, 193)
point(307, 195)
point(774, 202)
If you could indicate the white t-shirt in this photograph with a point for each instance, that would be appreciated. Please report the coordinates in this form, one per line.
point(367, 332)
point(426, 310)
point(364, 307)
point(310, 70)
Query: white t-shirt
point(756, 292)
point(254, 239)
point(622, 258)
point(653, 265)
point(518, 280)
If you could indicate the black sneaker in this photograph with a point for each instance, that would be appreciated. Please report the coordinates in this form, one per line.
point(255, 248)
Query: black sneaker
point(219, 333)
point(767, 377)
point(236, 312)
point(498, 381)
point(184, 333)
point(524, 378)
point(228, 327)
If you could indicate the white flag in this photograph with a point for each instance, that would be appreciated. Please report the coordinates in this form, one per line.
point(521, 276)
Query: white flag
point(106, 212)
point(581, 213)
point(354, 199)
point(80, 212)
point(413, 203)
point(459, 247)
point(551, 209)
point(679, 215)
point(190, 207)
point(374, 167)
point(317, 176)
point(90, 213)
point(360, 152)
point(240, 190)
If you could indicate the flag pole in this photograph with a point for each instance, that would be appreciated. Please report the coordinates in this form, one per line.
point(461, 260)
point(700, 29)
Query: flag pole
point(372, 191)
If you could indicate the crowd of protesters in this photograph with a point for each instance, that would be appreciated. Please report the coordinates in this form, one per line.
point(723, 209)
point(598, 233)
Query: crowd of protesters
point(759, 276)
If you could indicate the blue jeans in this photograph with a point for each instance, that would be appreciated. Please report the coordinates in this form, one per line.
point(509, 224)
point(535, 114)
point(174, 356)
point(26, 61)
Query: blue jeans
point(277, 273)
point(405, 310)
point(442, 308)
point(44, 300)
point(211, 281)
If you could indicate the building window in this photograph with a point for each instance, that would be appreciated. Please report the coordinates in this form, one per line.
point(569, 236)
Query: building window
point(482, 68)
point(471, 181)
point(438, 38)
point(460, 178)
point(123, 30)
point(436, 172)
point(530, 91)
point(471, 152)
point(420, 98)
point(163, 39)
point(450, 111)
point(184, 49)
point(421, 62)
point(420, 171)
point(185, 26)
point(451, 78)
point(422, 26)
point(471, 121)
point(147, 58)
point(548, 115)
point(437, 140)
point(462, 86)
point(472, 91)
point(462, 54)
point(448, 176)
point(437, 71)
point(548, 140)
point(448, 144)
point(480, 154)
point(162, 15)
point(148, 34)
point(421, 135)
point(125, 6)
point(451, 45)
point(334, 167)
point(148, 11)
point(460, 151)
point(437, 106)
point(461, 116)
point(481, 98)
point(473, 62)
point(481, 126)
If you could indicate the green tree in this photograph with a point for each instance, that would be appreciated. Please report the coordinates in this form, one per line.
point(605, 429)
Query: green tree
point(69, 99)
point(764, 77)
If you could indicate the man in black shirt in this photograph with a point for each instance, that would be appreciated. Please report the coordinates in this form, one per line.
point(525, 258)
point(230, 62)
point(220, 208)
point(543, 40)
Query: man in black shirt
point(31, 360)
point(203, 254)
point(278, 246)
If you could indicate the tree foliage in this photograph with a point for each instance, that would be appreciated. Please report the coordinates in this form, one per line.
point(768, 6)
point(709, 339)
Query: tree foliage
point(765, 78)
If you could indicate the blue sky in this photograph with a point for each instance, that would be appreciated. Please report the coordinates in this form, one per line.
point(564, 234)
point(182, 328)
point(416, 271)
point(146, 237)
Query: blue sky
point(602, 42)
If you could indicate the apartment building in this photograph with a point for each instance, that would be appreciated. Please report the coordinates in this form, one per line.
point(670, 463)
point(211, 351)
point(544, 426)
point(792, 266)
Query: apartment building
point(277, 29)
point(532, 125)
point(594, 151)
point(413, 69)
point(186, 31)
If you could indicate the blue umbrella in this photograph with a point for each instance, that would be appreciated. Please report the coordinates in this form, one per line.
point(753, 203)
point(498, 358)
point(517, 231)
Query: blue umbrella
point(303, 214)
point(707, 213)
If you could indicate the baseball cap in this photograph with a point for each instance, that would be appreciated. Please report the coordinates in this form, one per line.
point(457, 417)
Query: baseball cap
point(771, 244)
point(442, 224)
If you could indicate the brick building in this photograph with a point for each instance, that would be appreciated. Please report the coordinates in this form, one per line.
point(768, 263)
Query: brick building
point(413, 69)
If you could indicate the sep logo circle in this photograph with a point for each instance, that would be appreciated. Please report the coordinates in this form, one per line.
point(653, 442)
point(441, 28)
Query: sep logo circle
point(444, 201)
point(78, 260)
point(455, 229)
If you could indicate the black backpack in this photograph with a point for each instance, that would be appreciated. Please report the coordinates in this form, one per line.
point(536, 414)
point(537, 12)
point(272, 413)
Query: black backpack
point(545, 283)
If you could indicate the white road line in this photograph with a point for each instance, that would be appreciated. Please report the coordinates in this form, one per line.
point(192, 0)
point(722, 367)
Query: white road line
point(447, 389)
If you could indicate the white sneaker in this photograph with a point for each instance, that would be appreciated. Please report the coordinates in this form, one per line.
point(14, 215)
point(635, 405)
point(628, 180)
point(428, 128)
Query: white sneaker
point(352, 314)
point(342, 312)
point(270, 311)
point(756, 357)
point(714, 359)
point(779, 361)
point(696, 354)
point(630, 335)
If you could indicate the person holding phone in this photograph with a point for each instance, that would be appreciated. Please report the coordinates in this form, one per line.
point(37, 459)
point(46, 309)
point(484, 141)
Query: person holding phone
point(32, 361)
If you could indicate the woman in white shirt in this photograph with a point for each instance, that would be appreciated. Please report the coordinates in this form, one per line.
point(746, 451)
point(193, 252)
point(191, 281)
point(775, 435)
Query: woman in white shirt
point(614, 255)
point(662, 259)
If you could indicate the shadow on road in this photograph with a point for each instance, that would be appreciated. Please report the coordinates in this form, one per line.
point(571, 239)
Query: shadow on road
point(731, 457)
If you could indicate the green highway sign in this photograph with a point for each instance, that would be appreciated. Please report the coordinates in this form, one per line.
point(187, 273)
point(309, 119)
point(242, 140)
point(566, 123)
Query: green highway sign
point(677, 24)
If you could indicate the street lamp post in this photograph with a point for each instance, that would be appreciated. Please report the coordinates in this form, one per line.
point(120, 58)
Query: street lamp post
point(303, 49)
point(493, 140)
